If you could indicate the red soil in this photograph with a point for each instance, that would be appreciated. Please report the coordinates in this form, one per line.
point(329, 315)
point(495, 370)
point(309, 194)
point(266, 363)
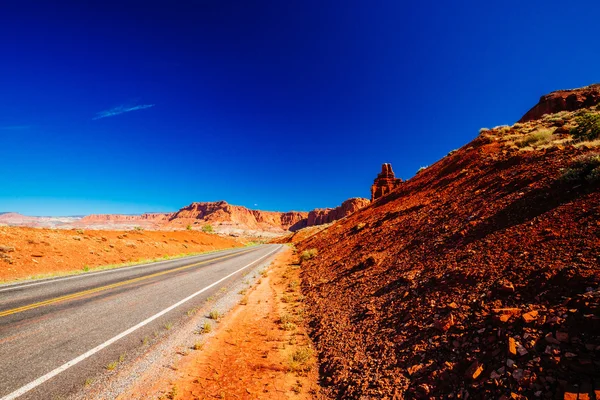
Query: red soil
point(249, 356)
point(477, 278)
point(27, 252)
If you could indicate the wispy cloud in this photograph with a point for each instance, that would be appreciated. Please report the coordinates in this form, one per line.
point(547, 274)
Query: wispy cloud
point(14, 127)
point(121, 110)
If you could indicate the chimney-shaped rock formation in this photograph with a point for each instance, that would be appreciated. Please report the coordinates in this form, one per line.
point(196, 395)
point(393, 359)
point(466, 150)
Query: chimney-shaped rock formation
point(385, 182)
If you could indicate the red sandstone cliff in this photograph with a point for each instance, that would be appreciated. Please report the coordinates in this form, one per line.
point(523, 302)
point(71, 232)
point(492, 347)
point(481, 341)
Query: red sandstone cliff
point(322, 216)
point(219, 214)
point(564, 100)
point(385, 182)
point(224, 213)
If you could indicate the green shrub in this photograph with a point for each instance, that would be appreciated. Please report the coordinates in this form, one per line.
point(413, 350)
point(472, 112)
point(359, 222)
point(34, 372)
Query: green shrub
point(207, 228)
point(308, 254)
point(585, 167)
point(588, 127)
point(300, 360)
point(189, 227)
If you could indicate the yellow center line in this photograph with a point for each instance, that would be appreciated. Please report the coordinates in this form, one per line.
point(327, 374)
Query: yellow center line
point(111, 286)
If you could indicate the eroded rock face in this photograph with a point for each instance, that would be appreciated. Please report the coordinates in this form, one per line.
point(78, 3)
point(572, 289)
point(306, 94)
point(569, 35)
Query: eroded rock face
point(222, 212)
point(321, 216)
point(564, 100)
point(385, 182)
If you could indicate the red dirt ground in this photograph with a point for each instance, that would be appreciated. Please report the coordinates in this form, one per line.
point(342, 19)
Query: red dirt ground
point(478, 278)
point(26, 252)
point(248, 357)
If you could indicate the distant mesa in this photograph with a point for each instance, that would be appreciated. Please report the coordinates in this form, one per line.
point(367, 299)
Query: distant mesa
point(564, 100)
point(385, 182)
point(223, 217)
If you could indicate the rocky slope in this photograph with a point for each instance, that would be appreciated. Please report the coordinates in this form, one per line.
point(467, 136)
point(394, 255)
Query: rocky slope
point(478, 278)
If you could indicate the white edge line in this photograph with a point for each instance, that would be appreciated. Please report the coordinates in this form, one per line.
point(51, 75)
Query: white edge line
point(15, 286)
point(89, 353)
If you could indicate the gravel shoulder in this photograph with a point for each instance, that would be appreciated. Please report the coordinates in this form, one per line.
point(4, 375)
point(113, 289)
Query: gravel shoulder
point(258, 349)
point(159, 353)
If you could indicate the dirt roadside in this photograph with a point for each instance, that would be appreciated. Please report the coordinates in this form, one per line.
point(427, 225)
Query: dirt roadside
point(260, 350)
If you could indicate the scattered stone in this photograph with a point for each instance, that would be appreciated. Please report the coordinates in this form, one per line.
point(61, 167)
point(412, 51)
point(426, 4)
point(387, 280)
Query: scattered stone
point(474, 370)
point(6, 249)
point(414, 369)
point(521, 350)
point(518, 374)
point(550, 339)
point(512, 346)
point(562, 336)
point(530, 317)
point(443, 324)
point(505, 287)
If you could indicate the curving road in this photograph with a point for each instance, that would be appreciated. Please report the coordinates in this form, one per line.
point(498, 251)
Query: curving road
point(57, 332)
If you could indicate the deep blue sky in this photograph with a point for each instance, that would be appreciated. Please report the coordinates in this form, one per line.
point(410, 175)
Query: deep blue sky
point(276, 105)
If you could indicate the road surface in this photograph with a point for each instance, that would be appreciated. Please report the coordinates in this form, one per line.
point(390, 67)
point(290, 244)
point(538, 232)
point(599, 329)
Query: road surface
point(55, 334)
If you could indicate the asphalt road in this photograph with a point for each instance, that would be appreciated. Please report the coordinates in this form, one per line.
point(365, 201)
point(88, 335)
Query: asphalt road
point(55, 333)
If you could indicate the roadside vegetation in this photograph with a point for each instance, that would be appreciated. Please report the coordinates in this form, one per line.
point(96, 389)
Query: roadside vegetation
point(308, 254)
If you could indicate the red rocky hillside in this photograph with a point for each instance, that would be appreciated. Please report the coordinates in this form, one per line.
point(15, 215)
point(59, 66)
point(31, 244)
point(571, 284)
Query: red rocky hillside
point(476, 279)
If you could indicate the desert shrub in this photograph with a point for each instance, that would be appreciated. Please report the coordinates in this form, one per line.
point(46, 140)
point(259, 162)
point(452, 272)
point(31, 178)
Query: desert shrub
point(300, 360)
point(207, 228)
point(588, 126)
point(189, 227)
point(308, 254)
point(539, 137)
point(585, 167)
point(215, 315)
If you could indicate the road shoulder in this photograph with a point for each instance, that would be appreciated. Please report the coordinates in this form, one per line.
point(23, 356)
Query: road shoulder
point(260, 349)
